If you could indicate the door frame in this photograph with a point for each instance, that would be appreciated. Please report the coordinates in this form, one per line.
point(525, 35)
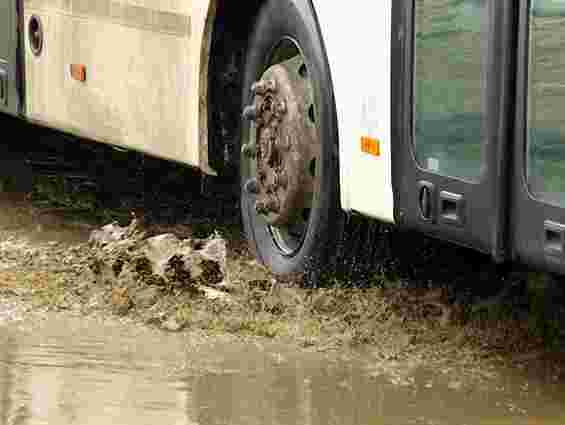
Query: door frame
point(532, 221)
point(14, 65)
point(494, 182)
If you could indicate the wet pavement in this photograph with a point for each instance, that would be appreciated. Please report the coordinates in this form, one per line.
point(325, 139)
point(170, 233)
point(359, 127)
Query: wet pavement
point(58, 369)
point(66, 370)
point(39, 225)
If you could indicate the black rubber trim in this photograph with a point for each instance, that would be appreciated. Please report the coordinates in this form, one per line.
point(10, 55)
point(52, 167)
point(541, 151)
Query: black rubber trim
point(20, 59)
point(507, 48)
point(300, 25)
point(398, 64)
point(518, 163)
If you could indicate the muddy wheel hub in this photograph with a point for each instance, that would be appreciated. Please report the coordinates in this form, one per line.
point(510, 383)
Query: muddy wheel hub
point(283, 141)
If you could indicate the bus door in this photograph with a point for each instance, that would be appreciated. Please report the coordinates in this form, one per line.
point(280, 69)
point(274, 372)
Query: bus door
point(452, 84)
point(9, 98)
point(538, 204)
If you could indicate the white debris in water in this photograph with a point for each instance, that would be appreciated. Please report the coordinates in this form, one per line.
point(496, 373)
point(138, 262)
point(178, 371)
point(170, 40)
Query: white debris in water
point(10, 311)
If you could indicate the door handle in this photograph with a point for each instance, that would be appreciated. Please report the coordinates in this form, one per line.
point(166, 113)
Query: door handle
point(451, 208)
point(554, 238)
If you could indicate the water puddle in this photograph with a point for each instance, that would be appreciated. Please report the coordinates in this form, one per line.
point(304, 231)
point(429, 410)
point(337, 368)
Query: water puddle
point(40, 225)
point(76, 371)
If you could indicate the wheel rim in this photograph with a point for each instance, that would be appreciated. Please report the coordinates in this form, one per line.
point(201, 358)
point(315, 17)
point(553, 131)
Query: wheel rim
point(282, 155)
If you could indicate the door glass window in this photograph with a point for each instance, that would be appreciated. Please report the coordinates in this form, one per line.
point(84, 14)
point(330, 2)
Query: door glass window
point(5, 30)
point(449, 86)
point(546, 113)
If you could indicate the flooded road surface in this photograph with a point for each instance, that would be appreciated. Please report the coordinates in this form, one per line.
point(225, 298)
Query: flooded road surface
point(40, 225)
point(71, 371)
point(74, 370)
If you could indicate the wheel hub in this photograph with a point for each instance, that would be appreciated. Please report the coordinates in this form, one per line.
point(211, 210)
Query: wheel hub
point(283, 143)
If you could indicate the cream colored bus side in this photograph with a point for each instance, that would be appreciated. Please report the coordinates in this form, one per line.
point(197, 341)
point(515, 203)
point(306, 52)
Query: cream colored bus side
point(146, 88)
point(145, 77)
point(357, 39)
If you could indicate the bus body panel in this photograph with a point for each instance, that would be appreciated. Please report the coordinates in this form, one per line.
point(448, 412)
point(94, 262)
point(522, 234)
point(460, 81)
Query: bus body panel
point(143, 73)
point(358, 44)
point(146, 72)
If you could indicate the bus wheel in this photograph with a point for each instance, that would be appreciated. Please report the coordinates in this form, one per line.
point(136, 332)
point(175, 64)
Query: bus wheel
point(289, 166)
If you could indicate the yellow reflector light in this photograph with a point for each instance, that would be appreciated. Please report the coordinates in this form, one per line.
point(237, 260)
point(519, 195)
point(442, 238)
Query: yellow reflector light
point(371, 146)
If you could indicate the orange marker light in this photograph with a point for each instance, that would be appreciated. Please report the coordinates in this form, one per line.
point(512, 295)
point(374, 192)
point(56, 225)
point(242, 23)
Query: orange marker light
point(371, 146)
point(78, 72)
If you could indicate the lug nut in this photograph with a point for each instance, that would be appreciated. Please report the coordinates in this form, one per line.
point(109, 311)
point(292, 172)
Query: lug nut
point(249, 150)
point(250, 113)
point(281, 107)
point(281, 180)
point(263, 86)
point(252, 187)
point(271, 85)
point(258, 88)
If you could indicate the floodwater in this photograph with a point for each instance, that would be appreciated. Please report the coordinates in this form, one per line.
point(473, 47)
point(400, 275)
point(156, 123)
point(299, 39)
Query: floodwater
point(41, 225)
point(73, 370)
point(77, 371)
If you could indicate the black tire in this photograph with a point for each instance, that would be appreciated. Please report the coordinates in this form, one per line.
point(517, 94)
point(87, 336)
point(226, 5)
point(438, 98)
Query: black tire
point(294, 19)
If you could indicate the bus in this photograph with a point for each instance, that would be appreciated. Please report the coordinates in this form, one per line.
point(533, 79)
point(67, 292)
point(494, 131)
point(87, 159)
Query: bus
point(441, 116)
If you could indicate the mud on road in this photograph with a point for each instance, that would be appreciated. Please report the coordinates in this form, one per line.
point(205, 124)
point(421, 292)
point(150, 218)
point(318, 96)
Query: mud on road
point(406, 299)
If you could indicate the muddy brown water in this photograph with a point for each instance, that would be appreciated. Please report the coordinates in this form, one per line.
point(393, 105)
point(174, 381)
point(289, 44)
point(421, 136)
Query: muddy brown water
point(61, 369)
point(76, 371)
point(37, 224)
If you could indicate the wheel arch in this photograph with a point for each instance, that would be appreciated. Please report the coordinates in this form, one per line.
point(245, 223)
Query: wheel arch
point(223, 54)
